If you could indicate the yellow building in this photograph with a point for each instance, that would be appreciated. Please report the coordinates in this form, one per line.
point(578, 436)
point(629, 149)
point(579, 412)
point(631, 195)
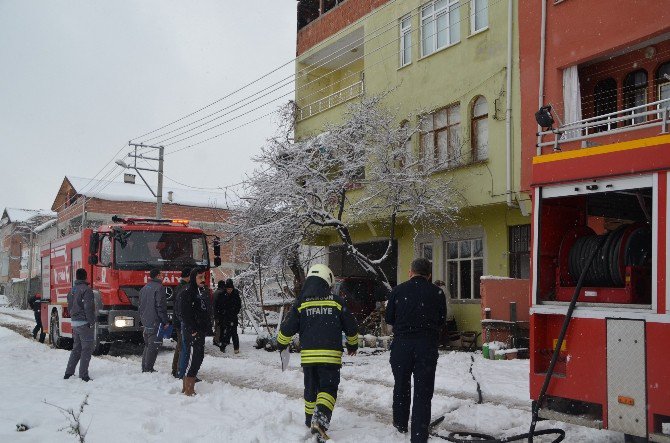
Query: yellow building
point(455, 62)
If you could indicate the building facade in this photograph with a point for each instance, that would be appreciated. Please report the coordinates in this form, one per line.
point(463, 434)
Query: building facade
point(456, 63)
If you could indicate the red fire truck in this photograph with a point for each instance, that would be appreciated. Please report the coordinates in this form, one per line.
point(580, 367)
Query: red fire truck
point(600, 237)
point(118, 258)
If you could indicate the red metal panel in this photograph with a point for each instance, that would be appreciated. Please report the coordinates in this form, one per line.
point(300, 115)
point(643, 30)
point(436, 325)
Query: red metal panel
point(662, 191)
point(658, 373)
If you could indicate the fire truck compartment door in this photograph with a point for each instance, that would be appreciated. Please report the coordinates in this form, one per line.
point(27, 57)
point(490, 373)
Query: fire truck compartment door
point(626, 379)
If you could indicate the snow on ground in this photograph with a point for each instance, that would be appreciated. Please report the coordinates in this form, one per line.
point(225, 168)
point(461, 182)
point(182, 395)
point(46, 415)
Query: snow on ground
point(244, 397)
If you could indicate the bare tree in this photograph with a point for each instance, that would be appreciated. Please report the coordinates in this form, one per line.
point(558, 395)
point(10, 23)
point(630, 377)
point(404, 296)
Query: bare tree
point(361, 171)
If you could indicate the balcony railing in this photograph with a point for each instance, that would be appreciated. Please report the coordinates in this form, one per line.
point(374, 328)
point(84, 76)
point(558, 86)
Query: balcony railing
point(631, 119)
point(330, 101)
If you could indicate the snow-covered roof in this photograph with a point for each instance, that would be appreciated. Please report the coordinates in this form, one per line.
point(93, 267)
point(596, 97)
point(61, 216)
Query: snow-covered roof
point(44, 226)
point(119, 191)
point(18, 215)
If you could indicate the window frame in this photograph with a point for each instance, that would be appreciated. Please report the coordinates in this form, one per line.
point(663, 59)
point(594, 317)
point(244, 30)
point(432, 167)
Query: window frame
point(471, 259)
point(433, 18)
point(473, 19)
point(518, 255)
point(473, 133)
point(629, 93)
point(450, 162)
point(405, 34)
point(600, 94)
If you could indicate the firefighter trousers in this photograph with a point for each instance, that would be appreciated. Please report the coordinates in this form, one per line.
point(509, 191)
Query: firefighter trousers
point(38, 327)
point(151, 345)
point(418, 357)
point(82, 348)
point(321, 384)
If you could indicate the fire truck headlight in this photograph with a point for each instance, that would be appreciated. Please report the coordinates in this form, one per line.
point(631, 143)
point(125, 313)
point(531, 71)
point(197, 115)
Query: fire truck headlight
point(124, 322)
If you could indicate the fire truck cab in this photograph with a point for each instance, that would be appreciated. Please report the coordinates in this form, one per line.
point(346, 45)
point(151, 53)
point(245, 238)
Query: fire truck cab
point(118, 258)
point(613, 367)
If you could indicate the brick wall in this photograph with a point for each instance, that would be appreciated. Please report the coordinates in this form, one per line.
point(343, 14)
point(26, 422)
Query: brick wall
point(333, 21)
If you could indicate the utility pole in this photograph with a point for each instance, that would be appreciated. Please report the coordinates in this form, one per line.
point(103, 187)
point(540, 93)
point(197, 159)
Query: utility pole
point(161, 153)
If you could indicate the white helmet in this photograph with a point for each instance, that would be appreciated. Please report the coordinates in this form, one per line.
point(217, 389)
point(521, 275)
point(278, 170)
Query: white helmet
point(322, 271)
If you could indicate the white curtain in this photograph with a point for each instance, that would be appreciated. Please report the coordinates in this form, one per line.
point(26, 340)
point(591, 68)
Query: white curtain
point(572, 99)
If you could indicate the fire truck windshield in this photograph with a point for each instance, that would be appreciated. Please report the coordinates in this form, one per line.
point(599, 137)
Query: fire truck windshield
point(163, 250)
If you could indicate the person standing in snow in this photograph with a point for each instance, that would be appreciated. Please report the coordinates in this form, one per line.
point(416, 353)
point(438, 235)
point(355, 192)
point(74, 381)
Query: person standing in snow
point(177, 361)
point(227, 308)
point(35, 304)
point(416, 310)
point(218, 292)
point(81, 306)
point(320, 317)
point(153, 314)
point(196, 323)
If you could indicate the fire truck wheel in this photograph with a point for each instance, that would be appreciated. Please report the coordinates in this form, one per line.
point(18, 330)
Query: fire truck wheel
point(101, 348)
point(55, 339)
point(627, 438)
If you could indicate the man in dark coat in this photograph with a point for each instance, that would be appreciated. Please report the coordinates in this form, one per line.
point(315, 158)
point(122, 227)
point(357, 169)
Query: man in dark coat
point(81, 305)
point(320, 317)
point(177, 362)
point(227, 307)
point(416, 310)
point(36, 305)
point(153, 313)
point(220, 290)
point(196, 323)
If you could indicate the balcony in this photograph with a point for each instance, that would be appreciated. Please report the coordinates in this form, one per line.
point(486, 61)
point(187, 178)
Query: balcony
point(648, 119)
point(330, 101)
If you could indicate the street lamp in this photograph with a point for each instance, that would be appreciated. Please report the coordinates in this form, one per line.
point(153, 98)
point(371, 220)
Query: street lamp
point(159, 190)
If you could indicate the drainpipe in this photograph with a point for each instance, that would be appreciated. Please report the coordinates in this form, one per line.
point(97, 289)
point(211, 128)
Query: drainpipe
point(508, 107)
point(543, 39)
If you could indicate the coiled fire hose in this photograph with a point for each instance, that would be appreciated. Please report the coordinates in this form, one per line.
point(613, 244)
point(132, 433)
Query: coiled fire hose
point(469, 437)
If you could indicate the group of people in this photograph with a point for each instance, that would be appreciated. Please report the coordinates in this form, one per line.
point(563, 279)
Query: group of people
point(415, 311)
point(192, 321)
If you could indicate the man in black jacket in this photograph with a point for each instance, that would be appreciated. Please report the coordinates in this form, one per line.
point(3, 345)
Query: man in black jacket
point(81, 305)
point(218, 292)
point(177, 362)
point(416, 310)
point(196, 323)
point(320, 317)
point(227, 308)
point(36, 305)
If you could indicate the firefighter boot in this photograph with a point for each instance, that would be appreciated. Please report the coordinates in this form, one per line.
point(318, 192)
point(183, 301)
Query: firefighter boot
point(319, 426)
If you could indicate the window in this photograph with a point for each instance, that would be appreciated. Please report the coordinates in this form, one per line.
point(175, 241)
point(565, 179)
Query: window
point(105, 251)
point(663, 85)
point(480, 129)
point(408, 154)
point(426, 251)
point(440, 137)
point(440, 25)
point(635, 94)
point(479, 15)
point(465, 266)
point(605, 102)
point(406, 41)
point(519, 251)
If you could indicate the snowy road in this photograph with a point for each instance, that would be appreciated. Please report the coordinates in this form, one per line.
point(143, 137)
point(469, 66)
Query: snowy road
point(243, 398)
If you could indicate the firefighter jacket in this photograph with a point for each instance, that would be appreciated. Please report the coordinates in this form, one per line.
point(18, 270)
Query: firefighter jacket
point(34, 303)
point(416, 309)
point(195, 309)
point(227, 306)
point(80, 303)
point(176, 309)
point(320, 317)
point(153, 304)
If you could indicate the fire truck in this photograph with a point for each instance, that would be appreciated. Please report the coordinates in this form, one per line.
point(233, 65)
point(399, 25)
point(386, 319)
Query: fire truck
point(117, 258)
point(600, 300)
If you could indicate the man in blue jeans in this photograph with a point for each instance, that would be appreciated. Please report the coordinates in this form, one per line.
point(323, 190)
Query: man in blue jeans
point(416, 310)
point(82, 314)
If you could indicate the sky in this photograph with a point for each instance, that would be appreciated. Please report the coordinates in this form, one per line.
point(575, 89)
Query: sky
point(80, 78)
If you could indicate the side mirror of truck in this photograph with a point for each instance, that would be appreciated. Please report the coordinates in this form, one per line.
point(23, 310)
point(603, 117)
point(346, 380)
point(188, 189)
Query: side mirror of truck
point(93, 259)
point(217, 262)
point(94, 243)
point(217, 247)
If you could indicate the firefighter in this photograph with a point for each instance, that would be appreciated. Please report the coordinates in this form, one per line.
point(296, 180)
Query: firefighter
point(227, 308)
point(81, 306)
point(220, 289)
point(153, 314)
point(36, 305)
point(196, 323)
point(177, 363)
point(320, 317)
point(416, 310)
